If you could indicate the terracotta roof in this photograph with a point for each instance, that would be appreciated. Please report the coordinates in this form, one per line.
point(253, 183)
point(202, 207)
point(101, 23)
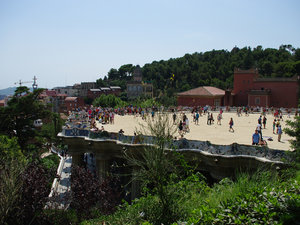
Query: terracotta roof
point(51, 93)
point(62, 95)
point(203, 91)
point(70, 98)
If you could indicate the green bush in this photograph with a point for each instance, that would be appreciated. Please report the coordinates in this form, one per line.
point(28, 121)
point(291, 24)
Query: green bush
point(263, 198)
point(109, 101)
point(51, 161)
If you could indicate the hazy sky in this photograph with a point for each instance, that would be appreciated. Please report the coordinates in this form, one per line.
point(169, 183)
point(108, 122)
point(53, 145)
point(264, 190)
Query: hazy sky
point(63, 42)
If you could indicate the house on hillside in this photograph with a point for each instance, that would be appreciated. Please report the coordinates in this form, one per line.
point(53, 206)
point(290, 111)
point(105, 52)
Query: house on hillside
point(68, 90)
point(72, 103)
point(201, 96)
point(252, 90)
point(97, 92)
point(82, 89)
point(56, 100)
point(137, 87)
point(249, 89)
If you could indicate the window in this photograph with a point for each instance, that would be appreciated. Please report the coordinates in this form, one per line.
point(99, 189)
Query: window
point(257, 100)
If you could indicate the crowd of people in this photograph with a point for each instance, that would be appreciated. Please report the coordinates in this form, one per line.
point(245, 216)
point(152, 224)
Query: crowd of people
point(107, 116)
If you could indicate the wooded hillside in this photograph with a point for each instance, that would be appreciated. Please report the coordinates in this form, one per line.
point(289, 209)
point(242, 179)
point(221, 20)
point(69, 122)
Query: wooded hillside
point(211, 68)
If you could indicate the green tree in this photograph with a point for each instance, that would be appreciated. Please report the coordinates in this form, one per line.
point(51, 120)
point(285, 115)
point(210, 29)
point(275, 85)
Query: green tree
point(108, 101)
point(10, 149)
point(294, 131)
point(156, 167)
point(17, 119)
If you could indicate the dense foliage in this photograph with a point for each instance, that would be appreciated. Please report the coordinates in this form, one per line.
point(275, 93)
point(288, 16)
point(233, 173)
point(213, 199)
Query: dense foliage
point(263, 198)
point(24, 190)
point(211, 68)
point(108, 101)
point(89, 193)
point(293, 130)
point(25, 178)
point(17, 119)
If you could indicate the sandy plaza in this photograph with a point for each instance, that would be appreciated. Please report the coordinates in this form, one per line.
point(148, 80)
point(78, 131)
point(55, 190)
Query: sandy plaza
point(244, 127)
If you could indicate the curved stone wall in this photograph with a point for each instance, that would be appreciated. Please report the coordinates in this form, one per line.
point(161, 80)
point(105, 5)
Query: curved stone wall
point(218, 160)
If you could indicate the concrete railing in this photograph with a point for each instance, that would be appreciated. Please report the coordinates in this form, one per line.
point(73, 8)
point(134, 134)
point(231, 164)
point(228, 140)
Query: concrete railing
point(58, 173)
point(184, 144)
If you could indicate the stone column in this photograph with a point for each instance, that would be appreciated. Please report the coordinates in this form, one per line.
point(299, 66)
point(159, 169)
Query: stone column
point(135, 186)
point(102, 165)
point(77, 158)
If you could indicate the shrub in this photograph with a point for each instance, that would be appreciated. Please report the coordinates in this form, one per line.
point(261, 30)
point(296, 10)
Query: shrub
point(51, 161)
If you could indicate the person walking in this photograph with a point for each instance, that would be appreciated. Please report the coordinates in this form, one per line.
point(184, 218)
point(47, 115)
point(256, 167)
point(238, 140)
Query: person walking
point(231, 125)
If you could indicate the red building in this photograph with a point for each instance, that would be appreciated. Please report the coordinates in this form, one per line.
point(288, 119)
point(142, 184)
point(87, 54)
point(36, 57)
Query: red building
point(201, 96)
point(72, 103)
point(56, 100)
point(252, 90)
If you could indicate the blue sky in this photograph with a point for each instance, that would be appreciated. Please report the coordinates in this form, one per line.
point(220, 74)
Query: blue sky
point(63, 42)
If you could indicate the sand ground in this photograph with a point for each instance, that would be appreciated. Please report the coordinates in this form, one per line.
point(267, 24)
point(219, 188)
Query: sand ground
point(244, 127)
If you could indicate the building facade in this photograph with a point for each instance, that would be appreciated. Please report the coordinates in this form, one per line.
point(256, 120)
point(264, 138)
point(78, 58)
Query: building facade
point(56, 100)
point(95, 93)
point(252, 90)
point(72, 103)
point(201, 96)
point(137, 87)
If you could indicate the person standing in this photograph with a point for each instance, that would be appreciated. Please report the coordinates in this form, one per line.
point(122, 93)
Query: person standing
point(231, 125)
point(258, 128)
point(174, 118)
point(259, 120)
point(264, 122)
point(274, 125)
point(180, 127)
point(197, 118)
point(219, 118)
point(279, 133)
point(255, 138)
point(208, 118)
point(187, 124)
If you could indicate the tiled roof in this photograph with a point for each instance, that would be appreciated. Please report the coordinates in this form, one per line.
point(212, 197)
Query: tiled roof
point(70, 98)
point(105, 88)
point(51, 93)
point(115, 87)
point(62, 95)
point(203, 91)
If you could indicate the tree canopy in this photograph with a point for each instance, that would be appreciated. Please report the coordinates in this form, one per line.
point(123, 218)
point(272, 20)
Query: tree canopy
point(16, 120)
point(211, 68)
